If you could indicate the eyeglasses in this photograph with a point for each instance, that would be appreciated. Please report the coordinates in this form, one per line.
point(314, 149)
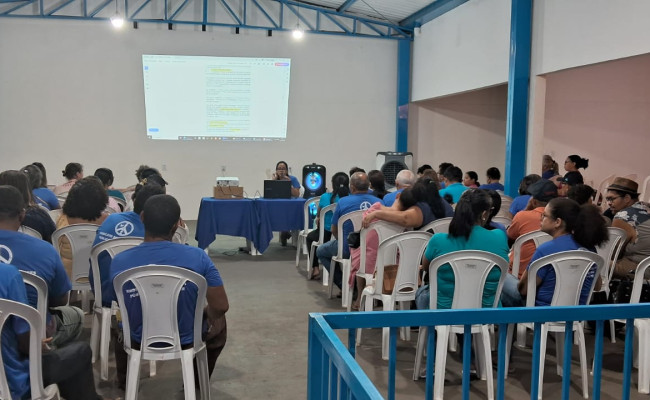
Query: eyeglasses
point(611, 199)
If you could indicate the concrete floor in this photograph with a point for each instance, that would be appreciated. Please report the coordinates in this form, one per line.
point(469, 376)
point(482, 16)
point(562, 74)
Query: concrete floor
point(266, 353)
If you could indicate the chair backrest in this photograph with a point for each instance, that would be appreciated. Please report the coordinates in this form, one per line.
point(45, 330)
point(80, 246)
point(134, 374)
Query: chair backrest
point(410, 246)
point(129, 201)
point(321, 217)
point(159, 287)
point(503, 220)
point(639, 278)
point(384, 231)
point(609, 251)
point(121, 202)
point(40, 286)
point(601, 191)
point(538, 237)
point(30, 231)
point(506, 202)
point(571, 270)
point(111, 210)
point(55, 214)
point(181, 235)
point(313, 202)
point(355, 217)
point(441, 225)
point(81, 238)
point(471, 269)
point(61, 198)
point(645, 190)
point(112, 247)
point(33, 318)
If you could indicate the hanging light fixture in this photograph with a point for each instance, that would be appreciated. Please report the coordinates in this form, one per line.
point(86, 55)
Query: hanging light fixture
point(117, 20)
point(298, 33)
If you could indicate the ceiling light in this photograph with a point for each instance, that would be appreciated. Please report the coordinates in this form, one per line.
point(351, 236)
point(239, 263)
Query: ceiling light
point(298, 33)
point(117, 21)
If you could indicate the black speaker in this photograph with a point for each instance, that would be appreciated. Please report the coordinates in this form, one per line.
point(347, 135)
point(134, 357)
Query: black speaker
point(313, 180)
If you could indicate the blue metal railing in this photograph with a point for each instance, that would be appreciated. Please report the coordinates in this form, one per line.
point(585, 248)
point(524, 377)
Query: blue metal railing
point(334, 373)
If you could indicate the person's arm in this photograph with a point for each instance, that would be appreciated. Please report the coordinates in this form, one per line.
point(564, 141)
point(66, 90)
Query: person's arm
point(59, 301)
point(410, 218)
point(523, 283)
point(295, 192)
point(217, 301)
point(629, 230)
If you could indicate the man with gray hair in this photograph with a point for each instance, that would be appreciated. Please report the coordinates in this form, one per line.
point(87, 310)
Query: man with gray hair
point(359, 199)
point(405, 178)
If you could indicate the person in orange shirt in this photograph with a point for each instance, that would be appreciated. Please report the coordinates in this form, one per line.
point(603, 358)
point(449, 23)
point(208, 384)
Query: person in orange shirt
point(528, 220)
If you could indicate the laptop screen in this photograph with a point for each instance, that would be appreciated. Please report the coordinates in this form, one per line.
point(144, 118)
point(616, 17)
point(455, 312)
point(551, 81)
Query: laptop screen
point(277, 189)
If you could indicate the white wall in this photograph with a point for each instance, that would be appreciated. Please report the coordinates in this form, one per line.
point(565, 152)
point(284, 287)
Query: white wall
point(72, 91)
point(464, 49)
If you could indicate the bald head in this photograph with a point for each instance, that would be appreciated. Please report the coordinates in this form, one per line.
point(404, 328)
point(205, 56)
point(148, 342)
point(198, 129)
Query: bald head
point(404, 179)
point(359, 182)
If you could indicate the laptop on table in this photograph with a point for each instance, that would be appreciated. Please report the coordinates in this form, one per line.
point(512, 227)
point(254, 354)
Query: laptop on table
point(277, 189)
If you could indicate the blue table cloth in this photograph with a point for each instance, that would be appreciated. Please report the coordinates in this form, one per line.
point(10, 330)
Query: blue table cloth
point(254, 219)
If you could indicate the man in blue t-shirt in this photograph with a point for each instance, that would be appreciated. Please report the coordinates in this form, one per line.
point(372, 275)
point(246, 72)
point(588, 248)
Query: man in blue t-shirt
point(64, 323)
point(161, 217)
point(125, 224)
point(70, 366)
point(359, 199)
point(405, 178)
point(453, 188)
point(493, 177)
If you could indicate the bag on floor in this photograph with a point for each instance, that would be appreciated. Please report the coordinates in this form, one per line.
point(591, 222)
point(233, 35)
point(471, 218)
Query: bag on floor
point(390, 274)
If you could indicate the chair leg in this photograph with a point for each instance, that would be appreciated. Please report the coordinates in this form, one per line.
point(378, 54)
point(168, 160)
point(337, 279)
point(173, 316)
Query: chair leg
point(542, 358)
point(521, 336)
point(453, 342)
point(94, 336)
point(104, 342)
point(441, 362)
point(405, 331)
point(363, 306)
point(385, 332)
point(559, 352)
point(510, 332)
point(187, 358)
point(583, 360)
point(487, 360)
point(152, 368)
point(133, 376)
point(310, 257)
point(612, 331)
point(85, 301)
point(419, 351)
point(333, 265)
point(204, 376)
point(345, 287)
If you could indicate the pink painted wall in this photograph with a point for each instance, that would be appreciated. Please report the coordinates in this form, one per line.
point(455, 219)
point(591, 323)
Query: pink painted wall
point(467, 129)
point(601, 112)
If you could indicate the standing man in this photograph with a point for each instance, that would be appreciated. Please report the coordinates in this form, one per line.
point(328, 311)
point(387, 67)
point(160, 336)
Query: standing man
point(405, 178)
point(359, 199)
point(161, 217)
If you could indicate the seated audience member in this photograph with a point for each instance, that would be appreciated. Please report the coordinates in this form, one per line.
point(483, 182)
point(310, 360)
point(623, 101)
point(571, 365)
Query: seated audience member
point(35, 217)
point(105, 175)
point(466, 232)
point(573, 227)
point(433, 175)
point(571, 165)
point(569, 180)
point(453, 187)
point(41, 195)
point(423, 168)
point(520, 202)
point(69, 368)
point(72, 172)
point(161, 216)
point(494, 210)
point(64, 323)
point(582, 194)
point(85, 204)
point(633, 216)
point(340, 189)
point(405, 178)
point(359, 199)
point(441, 173)
point(527, 221)
point(377, 183)
point(493, 177)
point(282, 174)
point(354, 170)
point(550, 167)
point(43, 172)
point(141, 173)
point(471, 180)
point(124, 224)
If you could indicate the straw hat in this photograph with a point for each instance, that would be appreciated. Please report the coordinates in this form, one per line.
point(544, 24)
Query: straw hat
point(624, 185)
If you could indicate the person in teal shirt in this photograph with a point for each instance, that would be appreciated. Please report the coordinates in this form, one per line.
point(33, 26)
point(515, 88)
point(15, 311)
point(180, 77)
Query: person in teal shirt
point(466, 232)
point(453, 186)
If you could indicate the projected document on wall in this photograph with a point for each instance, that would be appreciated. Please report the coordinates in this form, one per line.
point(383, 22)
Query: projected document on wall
point(216, 98)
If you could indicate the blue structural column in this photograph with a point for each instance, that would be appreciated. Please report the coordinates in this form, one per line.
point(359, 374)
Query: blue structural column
point(518, 83)
point(403, 85)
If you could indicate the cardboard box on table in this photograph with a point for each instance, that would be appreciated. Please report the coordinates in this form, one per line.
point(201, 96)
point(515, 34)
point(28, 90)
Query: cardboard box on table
point(228, 192)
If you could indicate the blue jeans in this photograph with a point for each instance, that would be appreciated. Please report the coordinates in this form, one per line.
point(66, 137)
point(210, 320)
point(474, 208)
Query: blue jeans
point(325, 252)
point(510, 296)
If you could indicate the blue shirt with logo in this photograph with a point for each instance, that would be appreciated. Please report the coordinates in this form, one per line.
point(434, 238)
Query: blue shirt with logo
point(353, 202)
point(46, 198)
point(164, 253)
point(125, 224)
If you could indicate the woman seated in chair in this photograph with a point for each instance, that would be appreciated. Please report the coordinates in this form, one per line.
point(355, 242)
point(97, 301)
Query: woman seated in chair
point(466, 232)
point(340, 189)
point(85, 204)
point(573, 227)
point(72, 172)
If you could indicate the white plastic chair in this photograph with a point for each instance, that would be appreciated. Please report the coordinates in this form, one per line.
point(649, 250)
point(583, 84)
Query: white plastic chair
point(411, 246)
point(30, 231)
point(571, 270)
point(159, 287)
point(354, 217)
point(602, 191)
point(100, 331)
point(129, 201)
point(440, 225)
point(321, 238)
point(609, 251)
point(120, 202)
point(471, 269)
point(181, 235)
point(40, 286)
point(384, 231)
point(645, 190)
point(503, 220)
point(55, 214)
point(642, 326)
point(302, 235)
point(81, 238)
point(61, 198)
point(35, 321)
point(506, 202)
